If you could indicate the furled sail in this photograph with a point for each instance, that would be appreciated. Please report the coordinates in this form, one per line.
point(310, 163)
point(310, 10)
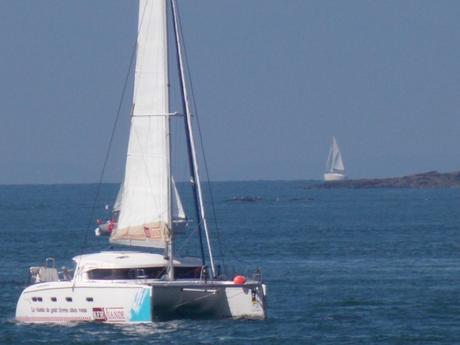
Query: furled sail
point(334, 160)
point(145, 203)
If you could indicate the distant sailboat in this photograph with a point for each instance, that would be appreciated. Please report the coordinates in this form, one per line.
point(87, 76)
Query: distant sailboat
point(335, 170)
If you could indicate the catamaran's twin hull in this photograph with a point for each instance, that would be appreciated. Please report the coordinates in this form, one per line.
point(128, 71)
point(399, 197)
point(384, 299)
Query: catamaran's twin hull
point(214, 300)
point(122, 303)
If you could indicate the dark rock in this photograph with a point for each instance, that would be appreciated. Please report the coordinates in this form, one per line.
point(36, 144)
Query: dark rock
point(245, 198)
point(430, 179)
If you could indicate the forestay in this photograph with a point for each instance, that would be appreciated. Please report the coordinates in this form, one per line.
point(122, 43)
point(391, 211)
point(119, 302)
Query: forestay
point(145, 203)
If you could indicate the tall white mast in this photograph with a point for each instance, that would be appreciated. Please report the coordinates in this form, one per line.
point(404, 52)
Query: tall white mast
point(190, 135)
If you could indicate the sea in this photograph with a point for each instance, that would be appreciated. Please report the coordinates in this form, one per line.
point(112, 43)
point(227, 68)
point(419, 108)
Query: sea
point(342, 266)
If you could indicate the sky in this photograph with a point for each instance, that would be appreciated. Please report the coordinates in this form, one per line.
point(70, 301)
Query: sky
point(273, 82)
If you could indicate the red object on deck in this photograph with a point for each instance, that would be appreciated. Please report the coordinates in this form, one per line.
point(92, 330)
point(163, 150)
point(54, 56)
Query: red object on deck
point(239, 280)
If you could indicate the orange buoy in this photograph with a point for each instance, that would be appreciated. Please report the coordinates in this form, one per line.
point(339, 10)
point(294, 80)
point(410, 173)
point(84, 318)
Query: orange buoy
point(239, 280)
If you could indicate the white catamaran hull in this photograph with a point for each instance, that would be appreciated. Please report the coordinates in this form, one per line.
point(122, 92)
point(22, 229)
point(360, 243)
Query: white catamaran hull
point(334, 177)
point(126, 302)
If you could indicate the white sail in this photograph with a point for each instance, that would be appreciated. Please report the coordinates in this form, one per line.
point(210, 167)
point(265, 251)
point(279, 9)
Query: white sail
point(145, 203)
point(117, 203)
point(334, 160)
point(178, 212)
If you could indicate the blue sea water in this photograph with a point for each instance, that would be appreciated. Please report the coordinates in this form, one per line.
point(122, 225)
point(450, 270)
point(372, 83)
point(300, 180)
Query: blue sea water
point(342, 266)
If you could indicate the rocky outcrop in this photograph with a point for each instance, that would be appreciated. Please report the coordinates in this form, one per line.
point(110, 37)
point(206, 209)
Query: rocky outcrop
point(431, 179)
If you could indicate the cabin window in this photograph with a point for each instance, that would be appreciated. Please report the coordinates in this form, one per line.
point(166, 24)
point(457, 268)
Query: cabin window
point(143, 273)
point(53, 299)
point(34, 299)
point(68, 299)
point(187, 272)
point(39, 299)
point(89, 299)
point(127, 273)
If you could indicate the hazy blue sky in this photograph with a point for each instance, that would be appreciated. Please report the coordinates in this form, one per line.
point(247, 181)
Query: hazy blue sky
point(273, 79)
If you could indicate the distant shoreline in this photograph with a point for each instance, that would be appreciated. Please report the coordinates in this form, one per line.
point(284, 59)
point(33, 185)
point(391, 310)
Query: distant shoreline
point(430, 179)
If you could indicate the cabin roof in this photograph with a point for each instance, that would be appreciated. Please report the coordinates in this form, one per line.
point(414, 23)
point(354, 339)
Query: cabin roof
point(129, 259)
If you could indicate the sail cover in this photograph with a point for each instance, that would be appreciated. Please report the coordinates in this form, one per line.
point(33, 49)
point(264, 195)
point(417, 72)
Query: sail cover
point(334, 160)
point(145, 201)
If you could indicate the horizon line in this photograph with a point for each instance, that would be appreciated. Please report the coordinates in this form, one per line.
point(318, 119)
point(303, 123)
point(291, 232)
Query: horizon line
point(180, 181)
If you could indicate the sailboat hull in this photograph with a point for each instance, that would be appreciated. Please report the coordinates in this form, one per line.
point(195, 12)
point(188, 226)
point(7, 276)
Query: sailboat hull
point(334, 177)
point(62, 302)
point(209, 301)
point(122, 302)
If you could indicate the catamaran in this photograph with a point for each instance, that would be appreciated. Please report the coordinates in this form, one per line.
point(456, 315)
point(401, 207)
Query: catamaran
point(335, 170)
point(122, 286)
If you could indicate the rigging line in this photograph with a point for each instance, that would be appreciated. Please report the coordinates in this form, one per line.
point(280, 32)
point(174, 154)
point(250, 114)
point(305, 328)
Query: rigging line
point(112, 134)
point(208, 182)
point(186, 241)
point(200, 136)
point(185, 109)
point(218, 233)
point(219, 236)
point(107, 154)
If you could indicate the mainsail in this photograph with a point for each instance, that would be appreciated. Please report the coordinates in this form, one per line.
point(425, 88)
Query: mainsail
point(145, 211)
point(178, 212)
point(334, 162)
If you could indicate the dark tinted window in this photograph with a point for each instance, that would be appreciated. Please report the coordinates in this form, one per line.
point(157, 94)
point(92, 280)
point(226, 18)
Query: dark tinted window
point(187, 272)
point(143, 273)
point(127, 273)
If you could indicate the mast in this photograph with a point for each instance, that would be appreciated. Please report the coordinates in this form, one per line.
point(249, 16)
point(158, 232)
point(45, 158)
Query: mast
point(197, 192)
point(169, 247)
